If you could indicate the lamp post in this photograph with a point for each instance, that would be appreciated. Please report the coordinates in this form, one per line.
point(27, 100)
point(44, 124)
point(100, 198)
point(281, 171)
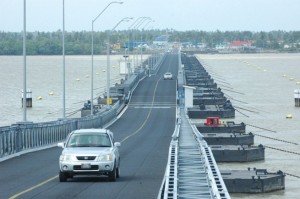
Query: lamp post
point(151, 20)
point(149, 50)
point(127, 56)
point(64, 65)
point(108, 58)
point(137, 26)
point(24, 63)
point(92, 71)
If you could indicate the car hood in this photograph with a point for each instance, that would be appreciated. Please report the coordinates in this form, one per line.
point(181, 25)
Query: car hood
point(86, 150)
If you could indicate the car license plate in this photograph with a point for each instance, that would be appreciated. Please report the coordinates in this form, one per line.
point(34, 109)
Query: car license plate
point(86, 166)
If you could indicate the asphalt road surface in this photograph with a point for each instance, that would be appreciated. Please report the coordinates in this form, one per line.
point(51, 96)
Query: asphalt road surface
point(144, 130)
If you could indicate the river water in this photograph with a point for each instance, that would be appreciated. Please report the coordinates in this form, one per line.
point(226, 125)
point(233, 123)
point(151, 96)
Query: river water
point(44, 79)
point(263, 83)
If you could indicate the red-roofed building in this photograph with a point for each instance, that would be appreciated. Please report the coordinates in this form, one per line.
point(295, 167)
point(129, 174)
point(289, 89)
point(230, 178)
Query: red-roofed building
point(241, 43)
point(242, 46)
point(237, 47)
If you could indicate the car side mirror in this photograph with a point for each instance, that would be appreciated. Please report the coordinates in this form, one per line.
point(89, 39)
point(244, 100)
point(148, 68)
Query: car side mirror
point(117, 144)
point(61, 144)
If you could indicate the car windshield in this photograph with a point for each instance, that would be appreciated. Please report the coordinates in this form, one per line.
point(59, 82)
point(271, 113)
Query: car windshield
point(89, 140)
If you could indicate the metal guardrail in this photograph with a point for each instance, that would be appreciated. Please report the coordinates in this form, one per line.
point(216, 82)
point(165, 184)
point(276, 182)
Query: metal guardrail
point(191, 170)
point(156, 67)
point(168, 188)
point(22, 137)
point(97, 120)
point(215, 178)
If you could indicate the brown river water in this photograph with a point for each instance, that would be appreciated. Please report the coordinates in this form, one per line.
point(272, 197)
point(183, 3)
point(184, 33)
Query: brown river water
point(266, 84)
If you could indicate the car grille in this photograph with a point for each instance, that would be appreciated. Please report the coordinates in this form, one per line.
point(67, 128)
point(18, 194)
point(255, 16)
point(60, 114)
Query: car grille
point(78, 167)
point(85, 157)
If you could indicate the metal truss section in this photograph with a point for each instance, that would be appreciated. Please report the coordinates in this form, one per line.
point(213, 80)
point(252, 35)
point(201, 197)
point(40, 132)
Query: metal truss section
point(170, 188)
point(198, 173)
point(193, 179)
point(191, 171)
point(217, 184)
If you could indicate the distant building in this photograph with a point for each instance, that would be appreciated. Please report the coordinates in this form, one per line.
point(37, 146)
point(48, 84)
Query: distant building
point(116, 46)
point(201, 45)
point(238, 44)
point(222, 46)
point(243, 46)
point(236, 47)
point(161, 40)
point(176, 45)
point(134, 44)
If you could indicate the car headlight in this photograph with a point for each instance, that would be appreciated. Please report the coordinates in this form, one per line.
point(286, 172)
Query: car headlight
point(67, 158)
point(106, 157)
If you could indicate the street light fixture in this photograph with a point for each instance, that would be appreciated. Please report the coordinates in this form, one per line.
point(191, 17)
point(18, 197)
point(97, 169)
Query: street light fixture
point(126, 19)
point(92, 71)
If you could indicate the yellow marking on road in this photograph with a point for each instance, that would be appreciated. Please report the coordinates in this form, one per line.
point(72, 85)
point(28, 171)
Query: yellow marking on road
point(149, 113)
point(32, 188)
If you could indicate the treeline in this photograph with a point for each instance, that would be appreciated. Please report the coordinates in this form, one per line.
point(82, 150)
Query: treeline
point(79, 43)
point(50, 43)
point(274, 40)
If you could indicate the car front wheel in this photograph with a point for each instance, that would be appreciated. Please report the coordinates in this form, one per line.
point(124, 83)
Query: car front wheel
point(112, 176)
point(118, 172)
point(62, 177)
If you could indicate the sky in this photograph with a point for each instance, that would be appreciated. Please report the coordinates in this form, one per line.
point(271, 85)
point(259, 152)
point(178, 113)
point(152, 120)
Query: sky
point(180, 15)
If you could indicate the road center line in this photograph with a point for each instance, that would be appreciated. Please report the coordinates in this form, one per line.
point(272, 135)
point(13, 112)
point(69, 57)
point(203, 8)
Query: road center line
point(34, 187)
point(138, 130)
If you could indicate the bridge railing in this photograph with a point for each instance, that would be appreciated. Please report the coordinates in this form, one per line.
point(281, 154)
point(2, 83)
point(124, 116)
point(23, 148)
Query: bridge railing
point(97, 120)
point(168, 188)
point(23, 137)
point(154, 69)
point(27, 136)
point(215, 178)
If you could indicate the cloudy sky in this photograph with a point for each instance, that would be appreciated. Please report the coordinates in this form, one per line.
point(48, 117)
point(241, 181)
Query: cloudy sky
point(207, 15)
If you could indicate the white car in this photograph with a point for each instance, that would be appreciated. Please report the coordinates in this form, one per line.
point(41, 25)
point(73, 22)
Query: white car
point(168, 75)
point(89, 152)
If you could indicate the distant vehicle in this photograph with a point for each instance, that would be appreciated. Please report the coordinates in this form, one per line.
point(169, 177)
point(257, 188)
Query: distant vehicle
point(168, 75)
point(89, 152)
